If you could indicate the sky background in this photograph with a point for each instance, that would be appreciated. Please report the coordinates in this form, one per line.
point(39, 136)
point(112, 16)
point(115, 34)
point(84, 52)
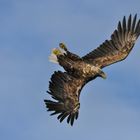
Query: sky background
point(29, 29)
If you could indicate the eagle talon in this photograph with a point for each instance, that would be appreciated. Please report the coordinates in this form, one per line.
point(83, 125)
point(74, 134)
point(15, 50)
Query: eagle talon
point(63, 46)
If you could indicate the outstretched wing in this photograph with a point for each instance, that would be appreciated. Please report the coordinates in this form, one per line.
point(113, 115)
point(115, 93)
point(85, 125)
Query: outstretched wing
point(119, 46)
point(65, 90)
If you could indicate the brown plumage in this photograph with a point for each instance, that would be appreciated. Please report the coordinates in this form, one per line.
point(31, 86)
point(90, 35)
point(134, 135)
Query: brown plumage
point(65, 87)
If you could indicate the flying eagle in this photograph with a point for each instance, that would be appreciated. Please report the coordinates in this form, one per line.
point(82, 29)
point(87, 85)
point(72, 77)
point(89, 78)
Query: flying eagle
point(65, 87)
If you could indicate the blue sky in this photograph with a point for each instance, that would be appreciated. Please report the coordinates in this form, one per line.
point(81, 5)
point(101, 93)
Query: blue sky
point(29, 29)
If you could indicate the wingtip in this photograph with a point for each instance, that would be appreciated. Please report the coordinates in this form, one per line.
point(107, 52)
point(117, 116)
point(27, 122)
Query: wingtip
point(135, 15)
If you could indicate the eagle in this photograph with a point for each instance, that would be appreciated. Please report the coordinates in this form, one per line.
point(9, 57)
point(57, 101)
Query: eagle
point(65, 87)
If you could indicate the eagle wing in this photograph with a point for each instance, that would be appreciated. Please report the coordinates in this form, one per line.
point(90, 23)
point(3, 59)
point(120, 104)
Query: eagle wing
point(118, 47)
point(65, 90)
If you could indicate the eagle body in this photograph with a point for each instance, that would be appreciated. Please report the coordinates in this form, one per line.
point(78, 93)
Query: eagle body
point(65, 87)
point(78, 68)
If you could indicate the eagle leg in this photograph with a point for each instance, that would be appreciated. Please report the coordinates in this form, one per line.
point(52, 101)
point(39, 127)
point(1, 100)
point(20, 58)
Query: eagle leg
point(63, 46)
